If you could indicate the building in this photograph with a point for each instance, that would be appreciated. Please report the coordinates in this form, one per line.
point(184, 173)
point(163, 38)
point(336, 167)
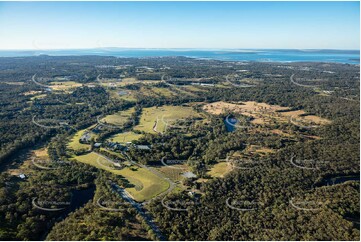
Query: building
point(142, 147)
point(22, 176)
point(116, 146)
point(85, 138)
point(189, 174)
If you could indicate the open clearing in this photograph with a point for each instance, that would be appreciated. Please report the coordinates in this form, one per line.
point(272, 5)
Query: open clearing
point(128, 95)
point(59, 86)
point(145, 185)
point(174, 172)
point(32, 93)
point(40, 96)
point(27, 167)
point(74, 143)
point(119, 118)
point(163, 92)
point(154, 119)
point(263, 113)
point(132, 80)
point(194, 89)
point(219, 170)
point(125, 137)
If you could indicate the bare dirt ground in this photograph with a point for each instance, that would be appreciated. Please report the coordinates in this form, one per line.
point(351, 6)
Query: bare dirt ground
point(263, 113)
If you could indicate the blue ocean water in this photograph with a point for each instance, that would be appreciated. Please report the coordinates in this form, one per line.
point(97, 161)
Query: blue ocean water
point(338, 56)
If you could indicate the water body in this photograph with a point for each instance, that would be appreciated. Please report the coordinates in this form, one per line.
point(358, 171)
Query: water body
point(261, 55)
point(230, 124)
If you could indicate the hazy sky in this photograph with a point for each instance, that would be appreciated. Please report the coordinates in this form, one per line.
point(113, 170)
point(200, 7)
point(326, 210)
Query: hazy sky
point(63, 25)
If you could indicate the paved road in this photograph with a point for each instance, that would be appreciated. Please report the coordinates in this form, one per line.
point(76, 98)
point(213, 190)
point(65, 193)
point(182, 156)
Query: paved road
point(38, 83)
point(138, 206)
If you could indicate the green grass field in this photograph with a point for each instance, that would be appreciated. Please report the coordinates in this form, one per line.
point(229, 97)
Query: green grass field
point(74, 143)
point(40, 96)
point(146, 184)
point(183, 91)
point(64, 85)
point(133, 80)
point(194, 89)
point(163, 91)
point(161, 115)
point(129, 96)
point(119, 155)
point(125, 137)
point(173, 173)
point(219, 170)
point(119, 118)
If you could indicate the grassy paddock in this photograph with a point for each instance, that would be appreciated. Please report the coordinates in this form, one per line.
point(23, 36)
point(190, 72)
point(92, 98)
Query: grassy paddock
point(74, 143)
point(125, 137)
point(154, 116)
point(119, 118)
point(219, 170)
point(145, 185)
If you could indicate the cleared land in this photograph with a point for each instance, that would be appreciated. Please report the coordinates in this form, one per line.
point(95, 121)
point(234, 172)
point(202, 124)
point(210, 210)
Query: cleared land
point(194, 89)
point(154, 119)
point(40, 96)
point(60, 86)
point(174, 172)
point(128, 95)
point(125, 137)
point(119, 118)
point(263, 113)
point(74, 143)
point(144, 184)
point(163, 92)
point(27, 167)
point(219, 170)
point(132, 80)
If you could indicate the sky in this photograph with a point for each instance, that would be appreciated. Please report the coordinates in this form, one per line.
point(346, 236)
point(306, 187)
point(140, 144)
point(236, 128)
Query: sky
point(200, 25)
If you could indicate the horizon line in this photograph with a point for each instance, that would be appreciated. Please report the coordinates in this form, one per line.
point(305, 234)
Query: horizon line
point(176, 48)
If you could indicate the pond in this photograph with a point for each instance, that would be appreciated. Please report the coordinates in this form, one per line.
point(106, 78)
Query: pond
point(230, 124)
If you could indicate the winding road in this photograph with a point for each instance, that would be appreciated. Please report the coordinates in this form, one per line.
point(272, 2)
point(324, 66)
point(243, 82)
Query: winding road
point(38, 83)
point(139, 206)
